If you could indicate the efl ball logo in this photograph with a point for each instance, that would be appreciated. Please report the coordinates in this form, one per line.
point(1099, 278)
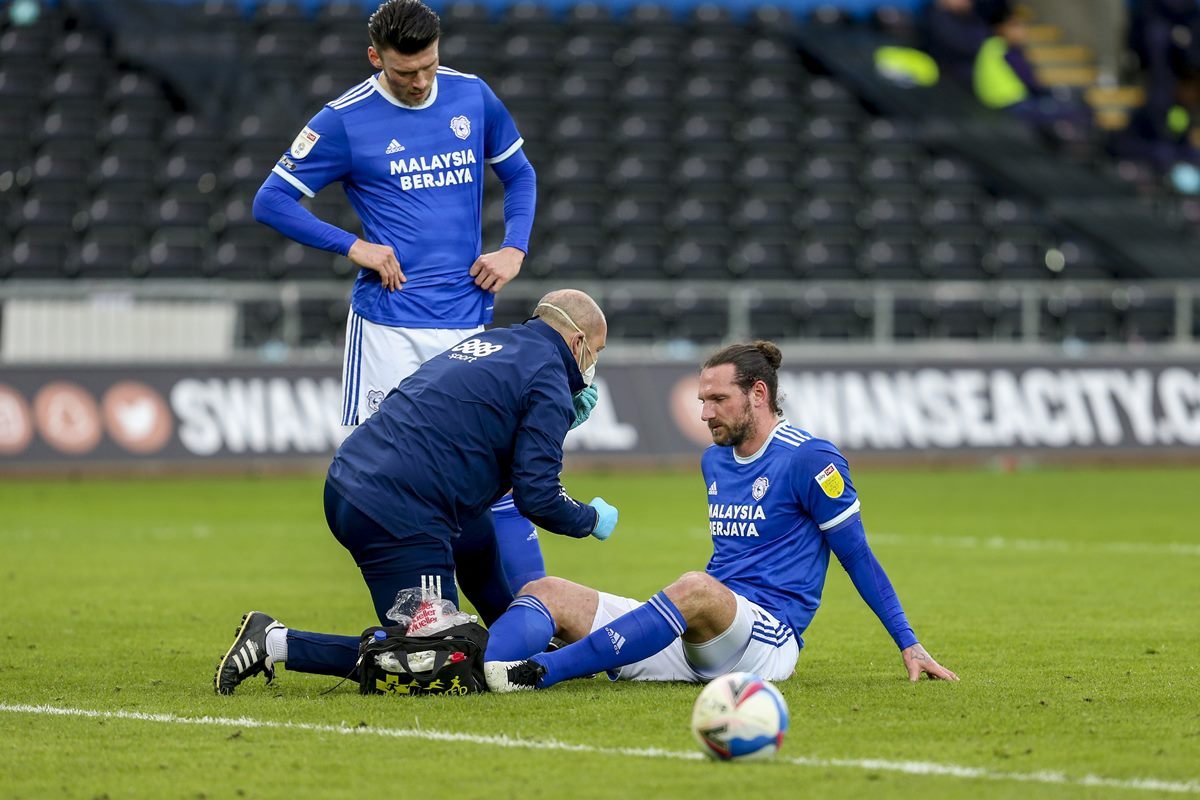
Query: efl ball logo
point(738, 717)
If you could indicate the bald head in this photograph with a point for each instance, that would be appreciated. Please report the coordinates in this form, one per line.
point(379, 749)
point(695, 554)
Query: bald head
point(565, 310)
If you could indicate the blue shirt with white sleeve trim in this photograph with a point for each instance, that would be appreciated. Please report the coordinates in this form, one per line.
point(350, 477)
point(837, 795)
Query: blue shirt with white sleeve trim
point(414, 175)
point(775, 517)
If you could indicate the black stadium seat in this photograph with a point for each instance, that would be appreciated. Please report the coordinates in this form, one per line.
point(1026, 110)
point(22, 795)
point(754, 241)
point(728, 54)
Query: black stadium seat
point(293, 261)
point(177, 253)
point(570, 254)
point(634, 318)
point(39, 250)
point(761, 257)
point(702, 320)
point(633, 255)
point(108, 251)
point(822, 316)
point(108, 208)
point(182, 208)
point(828, 254)
point(681, 144)
point(587, 46)
point(891, 258)
point(697, 257)
point(702, 168)
point(775, 318)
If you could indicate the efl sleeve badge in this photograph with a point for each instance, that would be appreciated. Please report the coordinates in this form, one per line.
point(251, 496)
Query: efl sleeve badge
point(830, 481)
point(305, 141)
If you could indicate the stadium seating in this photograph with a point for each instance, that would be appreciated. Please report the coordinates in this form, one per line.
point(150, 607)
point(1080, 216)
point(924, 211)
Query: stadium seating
point(707, 147)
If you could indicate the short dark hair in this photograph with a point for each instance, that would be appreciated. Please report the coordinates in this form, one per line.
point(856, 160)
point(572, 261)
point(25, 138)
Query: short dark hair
point(752, 363)
point(406, 26)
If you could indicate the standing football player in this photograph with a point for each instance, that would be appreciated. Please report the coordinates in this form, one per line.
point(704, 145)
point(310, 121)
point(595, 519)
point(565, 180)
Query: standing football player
point(408, 145)
point(780, 500)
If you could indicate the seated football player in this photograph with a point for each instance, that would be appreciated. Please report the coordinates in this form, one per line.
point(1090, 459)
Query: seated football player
point(780, 500)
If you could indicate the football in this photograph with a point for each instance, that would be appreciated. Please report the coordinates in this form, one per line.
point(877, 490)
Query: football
point(738, 717)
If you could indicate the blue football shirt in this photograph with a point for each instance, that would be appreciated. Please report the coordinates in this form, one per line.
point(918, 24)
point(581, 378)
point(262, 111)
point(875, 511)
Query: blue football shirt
point(414, 175)
point(768, 514)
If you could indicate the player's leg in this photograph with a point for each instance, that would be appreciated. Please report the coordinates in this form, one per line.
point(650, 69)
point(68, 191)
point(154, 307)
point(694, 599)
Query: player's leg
point(351, 370)
point(755, 641)
point(382, 358)
point(388, 564)
point(519, 547)
point(696, 602)
point(479, 568)
point(548, 607)
point(694, 606)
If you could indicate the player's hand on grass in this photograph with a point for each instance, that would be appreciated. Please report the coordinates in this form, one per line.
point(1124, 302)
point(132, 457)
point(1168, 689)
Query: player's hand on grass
point(382, 259)
point(492, 271)
point(917, 661)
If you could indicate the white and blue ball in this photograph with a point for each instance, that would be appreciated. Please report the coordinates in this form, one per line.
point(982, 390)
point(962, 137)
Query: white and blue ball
point(739, 717)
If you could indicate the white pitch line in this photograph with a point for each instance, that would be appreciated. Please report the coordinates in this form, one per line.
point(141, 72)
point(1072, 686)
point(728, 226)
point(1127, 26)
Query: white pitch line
point(1040, 545)
point(869, 764)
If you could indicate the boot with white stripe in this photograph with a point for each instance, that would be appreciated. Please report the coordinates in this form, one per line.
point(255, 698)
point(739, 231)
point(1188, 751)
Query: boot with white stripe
point(512, 676)
point(247, 656)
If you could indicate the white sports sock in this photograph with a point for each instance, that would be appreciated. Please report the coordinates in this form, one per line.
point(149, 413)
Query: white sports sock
point(277, 644)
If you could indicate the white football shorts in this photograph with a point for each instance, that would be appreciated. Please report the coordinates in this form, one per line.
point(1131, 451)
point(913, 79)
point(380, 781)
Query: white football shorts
point(755, 642)
point(378, 357)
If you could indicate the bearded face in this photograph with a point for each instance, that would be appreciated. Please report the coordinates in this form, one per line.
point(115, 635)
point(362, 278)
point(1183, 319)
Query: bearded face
point(732, 428)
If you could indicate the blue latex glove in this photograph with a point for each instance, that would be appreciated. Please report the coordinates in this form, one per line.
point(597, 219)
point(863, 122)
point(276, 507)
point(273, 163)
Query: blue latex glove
point(606, 518)
point(584, 402)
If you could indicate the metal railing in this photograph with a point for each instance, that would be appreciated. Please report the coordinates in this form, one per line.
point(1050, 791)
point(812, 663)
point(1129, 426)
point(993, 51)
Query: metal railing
point(1021, 307)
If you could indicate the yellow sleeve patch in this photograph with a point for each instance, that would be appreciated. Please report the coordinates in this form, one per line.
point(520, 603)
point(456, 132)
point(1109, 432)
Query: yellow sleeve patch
point(831, 481)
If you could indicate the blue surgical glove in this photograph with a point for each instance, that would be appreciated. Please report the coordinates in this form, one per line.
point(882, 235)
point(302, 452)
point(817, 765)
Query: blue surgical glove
point(606, 518)
point(584, 402)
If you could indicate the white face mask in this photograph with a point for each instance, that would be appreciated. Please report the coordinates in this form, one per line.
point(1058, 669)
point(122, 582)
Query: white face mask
point(589, 374)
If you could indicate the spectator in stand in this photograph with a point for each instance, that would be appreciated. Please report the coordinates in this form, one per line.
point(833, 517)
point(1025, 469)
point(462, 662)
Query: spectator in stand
point(1166, 138)
point(953, 32)
point(1004, 79)
point(1165, 36)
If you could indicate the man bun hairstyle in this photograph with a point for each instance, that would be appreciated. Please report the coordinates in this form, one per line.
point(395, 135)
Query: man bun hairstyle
point(770, 352)
point(754, 362)
point(405, 26)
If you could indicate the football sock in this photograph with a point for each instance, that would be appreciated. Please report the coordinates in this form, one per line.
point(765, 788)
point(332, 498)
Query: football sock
point(321, 653)
point(277, 644)
point(520, 551)
point(629, 638)
point(524, 629)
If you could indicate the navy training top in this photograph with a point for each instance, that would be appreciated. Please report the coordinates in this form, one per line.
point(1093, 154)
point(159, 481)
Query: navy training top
point(488, 415)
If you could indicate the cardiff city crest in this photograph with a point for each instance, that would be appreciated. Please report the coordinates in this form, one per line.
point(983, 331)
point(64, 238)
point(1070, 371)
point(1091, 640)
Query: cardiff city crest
point(760, 488)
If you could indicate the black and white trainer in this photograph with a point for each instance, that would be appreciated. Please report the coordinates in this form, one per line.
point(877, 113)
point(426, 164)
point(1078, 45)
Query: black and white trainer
point(513, 676)
point(247, 656)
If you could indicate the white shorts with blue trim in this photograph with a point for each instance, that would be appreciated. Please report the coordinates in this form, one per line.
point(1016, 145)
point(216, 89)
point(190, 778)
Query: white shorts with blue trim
point(755, 642)
point(378, 357)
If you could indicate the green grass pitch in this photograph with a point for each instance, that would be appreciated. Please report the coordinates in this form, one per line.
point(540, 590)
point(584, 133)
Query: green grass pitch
point(1067, 600)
